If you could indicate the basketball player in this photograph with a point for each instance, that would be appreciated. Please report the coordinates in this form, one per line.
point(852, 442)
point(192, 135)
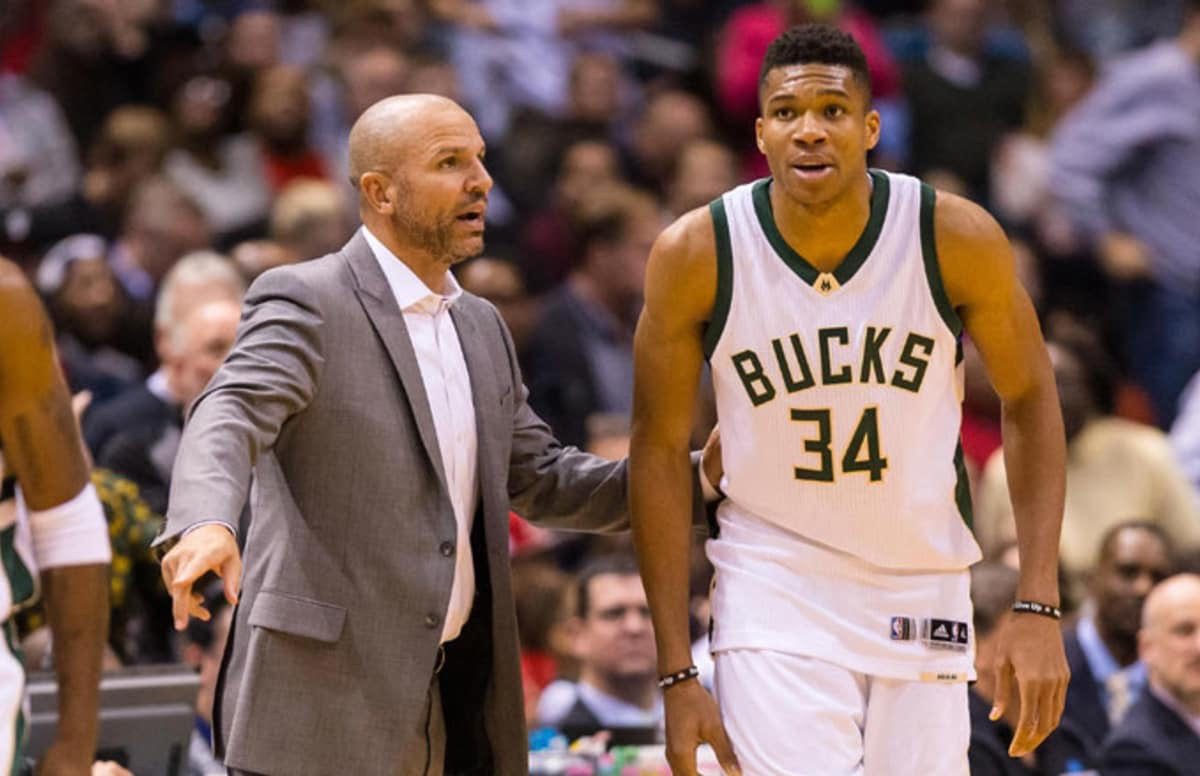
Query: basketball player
point(829, 301)
point(50, 519)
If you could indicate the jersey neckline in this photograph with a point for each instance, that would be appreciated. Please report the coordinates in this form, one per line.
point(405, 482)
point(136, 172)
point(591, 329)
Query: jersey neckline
point(850, 264)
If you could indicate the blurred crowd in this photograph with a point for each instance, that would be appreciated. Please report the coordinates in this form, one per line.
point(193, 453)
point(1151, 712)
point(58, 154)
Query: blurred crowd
point(157, 155)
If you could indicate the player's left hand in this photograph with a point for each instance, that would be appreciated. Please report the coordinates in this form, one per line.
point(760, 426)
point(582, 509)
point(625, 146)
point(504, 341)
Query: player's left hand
point(1030, 652)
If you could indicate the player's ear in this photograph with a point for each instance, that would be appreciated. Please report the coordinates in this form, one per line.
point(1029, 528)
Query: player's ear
point(758, 135)
point(872, 129)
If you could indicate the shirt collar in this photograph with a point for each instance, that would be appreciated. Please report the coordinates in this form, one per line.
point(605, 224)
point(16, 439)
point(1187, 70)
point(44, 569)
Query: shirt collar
point(1168, 700)
point(1100, 660)
point(410, 291)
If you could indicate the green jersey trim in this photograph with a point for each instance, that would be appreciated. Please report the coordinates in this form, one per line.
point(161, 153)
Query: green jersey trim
point(858, 254)
point(962, 489)
point(720, 311)
point(933, 272)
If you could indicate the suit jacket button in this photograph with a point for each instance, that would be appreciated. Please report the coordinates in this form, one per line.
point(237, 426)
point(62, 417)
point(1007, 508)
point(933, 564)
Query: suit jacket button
point(447, 548)
point(432, 620)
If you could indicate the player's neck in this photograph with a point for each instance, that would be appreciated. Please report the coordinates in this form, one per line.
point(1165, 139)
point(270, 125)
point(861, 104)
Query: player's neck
point(824, 233)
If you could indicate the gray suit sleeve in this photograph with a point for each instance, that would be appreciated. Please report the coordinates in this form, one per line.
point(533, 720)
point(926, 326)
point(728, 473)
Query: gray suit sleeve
point(271, 374)
point(562, 487)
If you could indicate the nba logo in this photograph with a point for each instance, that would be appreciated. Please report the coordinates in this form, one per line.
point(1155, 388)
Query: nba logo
point(901, 629)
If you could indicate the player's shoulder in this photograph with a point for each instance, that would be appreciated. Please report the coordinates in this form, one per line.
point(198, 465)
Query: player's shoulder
point(973, 253)
point(689, 242)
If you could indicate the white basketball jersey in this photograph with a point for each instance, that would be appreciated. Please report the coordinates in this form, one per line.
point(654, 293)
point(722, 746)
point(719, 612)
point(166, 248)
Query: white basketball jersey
point(838, 396)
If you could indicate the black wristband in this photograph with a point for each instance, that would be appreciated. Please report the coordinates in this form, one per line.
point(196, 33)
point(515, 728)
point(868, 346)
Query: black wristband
point(1033, 607)
point(667, 680)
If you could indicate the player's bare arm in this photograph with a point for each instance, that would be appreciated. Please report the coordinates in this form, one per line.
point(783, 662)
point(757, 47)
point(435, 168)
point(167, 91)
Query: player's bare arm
point(681, 284)
point(42, 447)
point(980, 278)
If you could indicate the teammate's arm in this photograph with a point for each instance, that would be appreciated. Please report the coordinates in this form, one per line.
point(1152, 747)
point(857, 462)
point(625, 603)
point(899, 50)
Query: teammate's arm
point(43, 449)
point(681, 281)
point(980, 277)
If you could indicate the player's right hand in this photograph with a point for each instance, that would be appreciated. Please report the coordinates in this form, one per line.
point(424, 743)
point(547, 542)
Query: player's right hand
point(692, 719)
point(207, 548)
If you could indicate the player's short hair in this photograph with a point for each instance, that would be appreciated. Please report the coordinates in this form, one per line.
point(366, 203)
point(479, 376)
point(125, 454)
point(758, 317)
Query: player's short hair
point(821, 44)
point(618, 564)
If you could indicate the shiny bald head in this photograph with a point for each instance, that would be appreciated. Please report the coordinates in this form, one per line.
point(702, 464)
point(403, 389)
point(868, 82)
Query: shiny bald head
point(385, 129)
point(417, 162)
point(1169, 642)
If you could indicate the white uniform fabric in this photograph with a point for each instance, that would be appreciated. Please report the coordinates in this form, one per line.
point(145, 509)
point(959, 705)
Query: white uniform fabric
point(790, 715)
point(856, 514)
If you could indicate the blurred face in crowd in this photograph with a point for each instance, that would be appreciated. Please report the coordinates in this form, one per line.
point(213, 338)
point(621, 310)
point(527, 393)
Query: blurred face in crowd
point(959, 24)
point(670, 121)
point(254, 40)
point(201, 107)
point(1169, 641)
point(279, 106)
point(619, 265)
point(372, 74)
point(500, 283)
point(705, 170)
point(197, 346)
point(254, 257)
point(1131, 564)
point(616, 637)
point(586, 165)
point(79, 26)
point(420, 166)
point(1074, 393)
point(163, 225)
point(815, 129)
point(89, 301)
point(595, 88)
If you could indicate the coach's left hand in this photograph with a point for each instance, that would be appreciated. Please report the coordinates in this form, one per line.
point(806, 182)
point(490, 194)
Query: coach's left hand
point(1030, 653)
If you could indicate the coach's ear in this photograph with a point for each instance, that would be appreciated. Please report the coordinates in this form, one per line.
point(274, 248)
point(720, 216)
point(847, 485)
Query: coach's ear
point(378, 192)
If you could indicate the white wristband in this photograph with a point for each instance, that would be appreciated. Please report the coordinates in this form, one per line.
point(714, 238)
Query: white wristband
point(73, 533)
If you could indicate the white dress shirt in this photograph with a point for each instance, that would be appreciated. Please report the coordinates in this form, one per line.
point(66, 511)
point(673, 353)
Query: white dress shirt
point(448, 387)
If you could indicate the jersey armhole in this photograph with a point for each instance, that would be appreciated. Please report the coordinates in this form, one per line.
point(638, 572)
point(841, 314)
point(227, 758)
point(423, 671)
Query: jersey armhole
point(720, 311)
point(933, 272)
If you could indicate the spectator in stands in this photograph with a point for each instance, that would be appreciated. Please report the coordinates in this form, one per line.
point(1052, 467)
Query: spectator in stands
point(205, 644)
point(137, 433)
point(581, 353)
point(613, 638)
point(499, 281)
point(538, 591)
point(1117, 470)
point(962, 99)
point(128, 150)
point(1126, 165)
point(39, 162)
point(254, 257)
point(668, 122)
point(1160, 734)
point(309, 219)
point(161, 224)
point(90, 312)
point(993, 589)
point(220, 170)
point(549, 244)
point(1102, 648)
point(705, 170)
point(278, 115)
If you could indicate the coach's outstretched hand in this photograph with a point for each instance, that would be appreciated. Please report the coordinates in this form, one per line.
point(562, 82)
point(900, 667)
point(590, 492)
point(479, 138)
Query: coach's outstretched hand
point(693, 719)
point(207, 548)
point(1031, 654)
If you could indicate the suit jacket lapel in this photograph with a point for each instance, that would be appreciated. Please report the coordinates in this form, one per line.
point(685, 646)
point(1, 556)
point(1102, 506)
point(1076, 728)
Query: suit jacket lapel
point(377, 300)
point(484, 390)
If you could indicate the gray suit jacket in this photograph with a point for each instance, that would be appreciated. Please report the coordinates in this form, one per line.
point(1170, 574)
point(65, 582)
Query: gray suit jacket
point(349, 552)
